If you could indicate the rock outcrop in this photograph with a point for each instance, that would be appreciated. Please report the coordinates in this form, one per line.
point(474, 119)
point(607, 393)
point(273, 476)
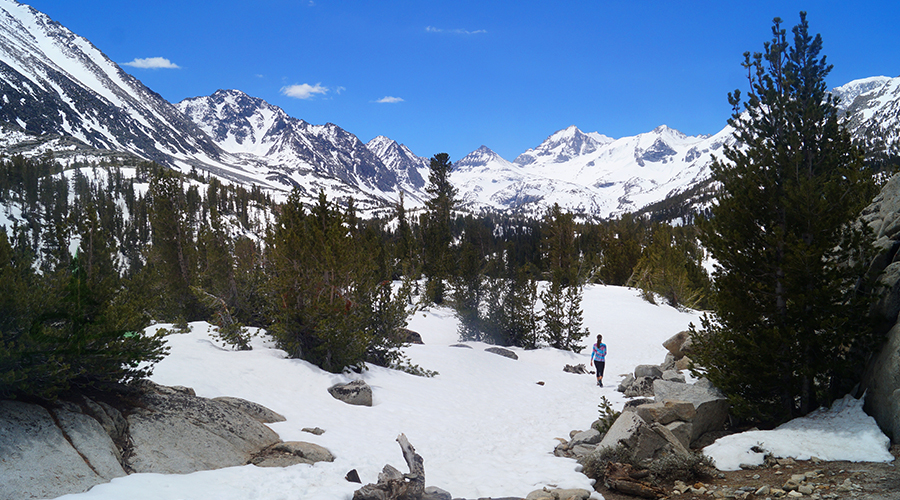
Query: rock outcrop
point(175, 432)
point(72, 446)
point(39, 457)
point(881, 382)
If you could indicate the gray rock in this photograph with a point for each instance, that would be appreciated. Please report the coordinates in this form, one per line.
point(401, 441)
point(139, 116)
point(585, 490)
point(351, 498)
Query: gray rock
point(881, 381)
point(882, 385)
point(313, 430)
point(711, 405)
point(464, 346)
point(642, 387)
point(626, 383)
point(674, 343)
point(590, 436)
point(110, 418)
point(667, 412)
point(255, 410)
point(634, 433)
point(677, 446)
point(291, 453)
point(559, 494)
point(582, 450)
point(37, 460)
point(682, 431)
point(435, 493)
point(92, 442)
point(673, 376)
point(355, 393)
point(632, 404)
point(408, 336)
point(309, 451)
point(73, 447)
point(175, 433)
point(506, 353)
point(648, 371)
point(669, 363)
point(683, 364)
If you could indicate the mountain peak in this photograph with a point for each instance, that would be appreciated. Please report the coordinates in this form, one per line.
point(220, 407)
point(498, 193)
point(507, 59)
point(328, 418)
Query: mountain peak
point(562, 146)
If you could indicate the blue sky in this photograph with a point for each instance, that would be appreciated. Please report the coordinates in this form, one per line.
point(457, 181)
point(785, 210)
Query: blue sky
point(450, 76)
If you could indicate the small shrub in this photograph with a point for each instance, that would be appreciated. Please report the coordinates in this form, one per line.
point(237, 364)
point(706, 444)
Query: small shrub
point(234, 335)
point(687, 468)
point(594, 465)
point(405, 365)
point(607, 416)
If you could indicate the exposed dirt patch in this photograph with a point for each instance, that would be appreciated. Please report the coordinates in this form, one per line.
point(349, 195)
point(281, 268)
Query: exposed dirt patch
point(828, 480)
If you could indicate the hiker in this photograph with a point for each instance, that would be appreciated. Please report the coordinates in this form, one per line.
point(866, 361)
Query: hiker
point(598, 356)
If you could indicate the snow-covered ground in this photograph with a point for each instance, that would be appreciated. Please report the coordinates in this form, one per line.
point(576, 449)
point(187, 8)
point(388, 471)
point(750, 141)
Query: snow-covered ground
point(484, 426)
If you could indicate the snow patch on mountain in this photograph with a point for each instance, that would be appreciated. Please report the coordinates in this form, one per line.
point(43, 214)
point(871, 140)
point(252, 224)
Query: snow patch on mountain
point(875, 113)
point(848, 92)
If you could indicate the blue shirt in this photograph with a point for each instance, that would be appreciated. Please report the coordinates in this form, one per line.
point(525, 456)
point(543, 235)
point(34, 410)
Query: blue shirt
point(599, 353)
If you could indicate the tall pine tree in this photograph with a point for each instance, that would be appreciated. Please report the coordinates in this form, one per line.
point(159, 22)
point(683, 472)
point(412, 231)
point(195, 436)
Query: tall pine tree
point(787, 313)
point(438, 234)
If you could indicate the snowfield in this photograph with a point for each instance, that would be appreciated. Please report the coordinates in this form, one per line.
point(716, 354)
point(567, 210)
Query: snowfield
point(484, 425)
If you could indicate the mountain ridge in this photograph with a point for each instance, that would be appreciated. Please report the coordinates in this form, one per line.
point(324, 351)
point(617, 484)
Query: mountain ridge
point(53, 81)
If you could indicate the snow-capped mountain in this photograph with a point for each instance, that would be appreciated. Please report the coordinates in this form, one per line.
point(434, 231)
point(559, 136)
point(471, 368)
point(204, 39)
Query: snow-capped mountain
point(412, 171)
point(875, 110)
point(53, 81)
point(60, 93)
point(297, 153)
point(589, 173)
point(563, 146)
point(593, 174)
point(847, 93)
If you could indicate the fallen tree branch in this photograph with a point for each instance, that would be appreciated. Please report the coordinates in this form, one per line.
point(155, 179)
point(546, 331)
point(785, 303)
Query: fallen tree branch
point(392, 484)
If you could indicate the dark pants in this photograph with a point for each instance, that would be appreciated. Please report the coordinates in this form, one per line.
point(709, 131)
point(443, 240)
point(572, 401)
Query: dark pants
point(600, 366)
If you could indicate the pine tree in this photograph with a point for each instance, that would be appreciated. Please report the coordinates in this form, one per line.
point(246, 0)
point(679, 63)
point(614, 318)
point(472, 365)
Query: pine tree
point(404, 244)
point(438, 234)
point(560, 246)
point(670, 267)
point(788, 314)
point(518, 303)
point(553, 315)
point(573, 331)
point(331, 307)
point(171, 259)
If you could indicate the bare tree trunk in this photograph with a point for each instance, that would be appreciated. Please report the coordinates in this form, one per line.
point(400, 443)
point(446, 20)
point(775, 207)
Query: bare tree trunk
point(392, 484)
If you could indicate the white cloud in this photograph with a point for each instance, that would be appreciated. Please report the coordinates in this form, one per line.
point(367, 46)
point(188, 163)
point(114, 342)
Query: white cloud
point(152, 63)
point(389, 99)
point(432, 29)
point(304, 90)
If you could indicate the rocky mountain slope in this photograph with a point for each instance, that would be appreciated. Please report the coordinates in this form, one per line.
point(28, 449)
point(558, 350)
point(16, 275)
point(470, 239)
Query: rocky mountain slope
point(296, 153)
point(53, 81)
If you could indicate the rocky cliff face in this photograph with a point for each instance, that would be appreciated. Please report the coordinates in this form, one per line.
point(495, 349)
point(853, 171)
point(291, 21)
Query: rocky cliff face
point(882, 379)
